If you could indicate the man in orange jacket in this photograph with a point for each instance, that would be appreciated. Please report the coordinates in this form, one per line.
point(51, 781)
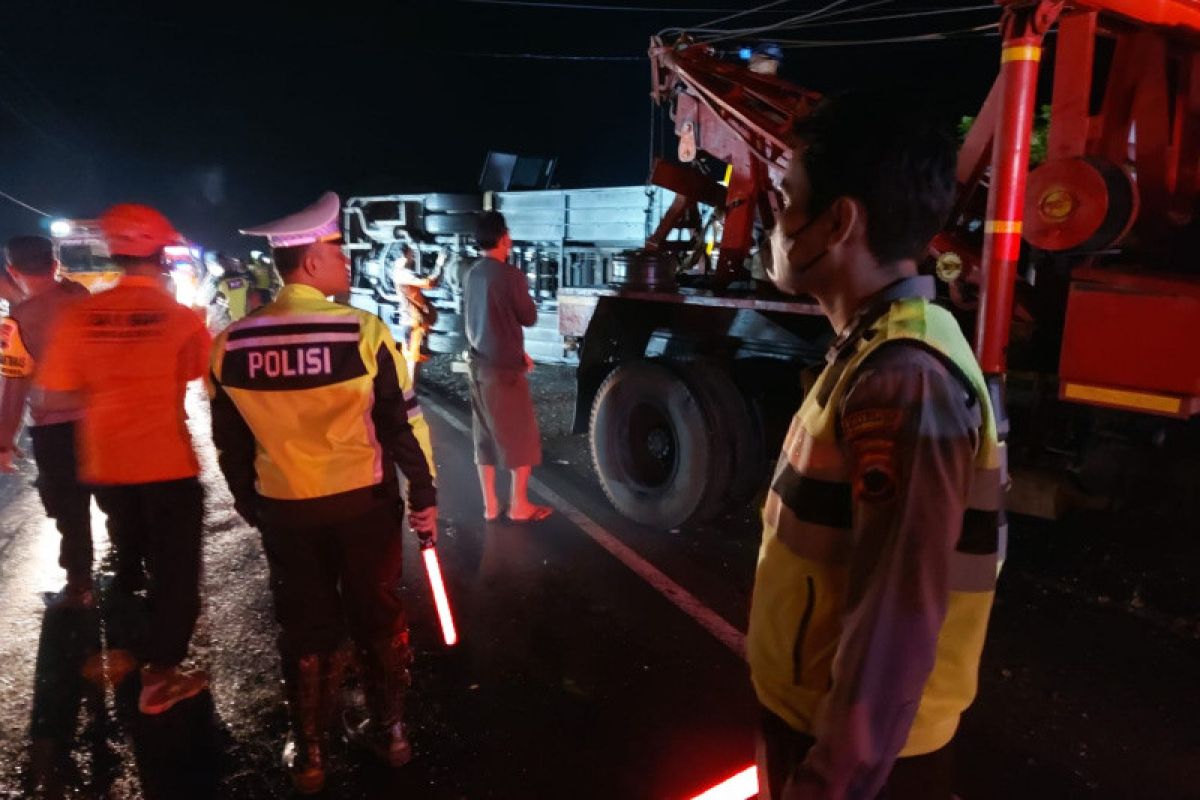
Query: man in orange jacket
point(127, 355)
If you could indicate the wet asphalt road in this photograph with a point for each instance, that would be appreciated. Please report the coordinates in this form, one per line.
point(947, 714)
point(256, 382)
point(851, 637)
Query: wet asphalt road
point(573, 678)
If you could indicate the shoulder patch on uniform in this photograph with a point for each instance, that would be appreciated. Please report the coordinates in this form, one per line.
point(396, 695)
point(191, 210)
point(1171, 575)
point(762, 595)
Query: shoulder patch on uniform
point(871, 435)
point(875, 479)
point(15, 360)
point(872, 422)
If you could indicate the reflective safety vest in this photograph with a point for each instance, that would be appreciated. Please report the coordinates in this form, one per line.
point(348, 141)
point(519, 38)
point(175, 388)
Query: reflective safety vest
point(801, 584)
point(235, 288)
point(305, 375)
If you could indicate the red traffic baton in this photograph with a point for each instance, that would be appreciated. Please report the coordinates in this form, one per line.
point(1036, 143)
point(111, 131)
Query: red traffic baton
point(739, 787)
point(441, 601)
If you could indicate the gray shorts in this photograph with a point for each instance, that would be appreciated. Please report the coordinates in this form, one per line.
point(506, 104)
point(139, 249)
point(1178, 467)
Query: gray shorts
point(502, 422)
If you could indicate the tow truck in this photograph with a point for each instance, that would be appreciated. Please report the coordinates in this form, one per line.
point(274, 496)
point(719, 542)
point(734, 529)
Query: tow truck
point(1078, 281)
point(1082, 273)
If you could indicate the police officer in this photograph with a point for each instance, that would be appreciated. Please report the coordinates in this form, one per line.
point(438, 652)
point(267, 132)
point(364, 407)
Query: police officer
point(236, 286)
point(264, 281)
point(884, 522)
point(23, 339)
point(312, 410)
point(128, 354)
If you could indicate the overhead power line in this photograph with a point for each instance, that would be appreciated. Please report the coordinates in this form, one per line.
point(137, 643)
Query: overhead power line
point(18, 115)
point(933, 36)
point(6, 98)
point(906, 15)
point(820, 13)
point(755, 10)
point(596, 7)
point(550, 56)
point(23, 204)
point(15, 68)
point(708, 33)
point(820, 17)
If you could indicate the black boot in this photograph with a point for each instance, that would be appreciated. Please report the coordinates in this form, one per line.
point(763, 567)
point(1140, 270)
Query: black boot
point(333, 670)
point(302, 755)
point(385, 679)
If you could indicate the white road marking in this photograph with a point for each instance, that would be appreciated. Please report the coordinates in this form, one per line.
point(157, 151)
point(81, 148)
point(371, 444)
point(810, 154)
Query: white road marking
point(684, 600)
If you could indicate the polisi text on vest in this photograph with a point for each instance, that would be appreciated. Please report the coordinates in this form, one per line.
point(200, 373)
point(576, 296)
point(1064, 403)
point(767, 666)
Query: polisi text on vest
point(287, 362)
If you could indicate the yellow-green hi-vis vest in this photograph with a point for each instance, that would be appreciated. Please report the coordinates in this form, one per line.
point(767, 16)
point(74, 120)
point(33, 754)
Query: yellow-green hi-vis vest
point(802, 576)
point(302, 372)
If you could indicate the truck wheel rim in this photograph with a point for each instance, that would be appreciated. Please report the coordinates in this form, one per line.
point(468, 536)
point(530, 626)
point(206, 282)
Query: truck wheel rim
point(653, 447)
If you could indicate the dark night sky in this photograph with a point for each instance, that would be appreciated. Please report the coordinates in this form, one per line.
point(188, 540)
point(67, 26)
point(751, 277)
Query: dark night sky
point(226, 115)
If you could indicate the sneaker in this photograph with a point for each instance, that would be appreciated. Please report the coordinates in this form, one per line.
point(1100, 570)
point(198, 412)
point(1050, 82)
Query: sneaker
point(112, 667)
point(163, 688)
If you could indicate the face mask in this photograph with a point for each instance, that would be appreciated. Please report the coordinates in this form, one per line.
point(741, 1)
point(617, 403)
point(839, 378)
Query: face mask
point(781, 245)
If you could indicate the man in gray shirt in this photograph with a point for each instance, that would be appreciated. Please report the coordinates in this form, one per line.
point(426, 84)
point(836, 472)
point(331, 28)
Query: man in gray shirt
point(497, 307)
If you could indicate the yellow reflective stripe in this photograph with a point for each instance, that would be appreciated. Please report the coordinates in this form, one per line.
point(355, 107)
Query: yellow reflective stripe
point(1122, 398)
point(1020, 52)
point(1002, 226)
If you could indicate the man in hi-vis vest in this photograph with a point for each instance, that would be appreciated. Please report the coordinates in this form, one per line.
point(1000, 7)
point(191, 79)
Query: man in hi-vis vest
point(313, 410)
point(884, 527)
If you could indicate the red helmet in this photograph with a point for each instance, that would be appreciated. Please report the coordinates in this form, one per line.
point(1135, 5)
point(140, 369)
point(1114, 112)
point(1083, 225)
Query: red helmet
point(136, 230)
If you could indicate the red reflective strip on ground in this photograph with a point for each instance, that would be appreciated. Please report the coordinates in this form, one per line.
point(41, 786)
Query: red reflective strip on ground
point(434, 570)
point(740, 787)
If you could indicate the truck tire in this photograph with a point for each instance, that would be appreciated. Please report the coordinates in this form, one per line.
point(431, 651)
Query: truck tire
point(446, 224)
point(652, 445)
point(705, 382)
point(454, 203)
point(733, 422)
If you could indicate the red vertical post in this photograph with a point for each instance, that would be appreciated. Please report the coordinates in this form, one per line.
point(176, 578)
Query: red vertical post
point(1019, 59)
point(746, 185)
point(1073, 56)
